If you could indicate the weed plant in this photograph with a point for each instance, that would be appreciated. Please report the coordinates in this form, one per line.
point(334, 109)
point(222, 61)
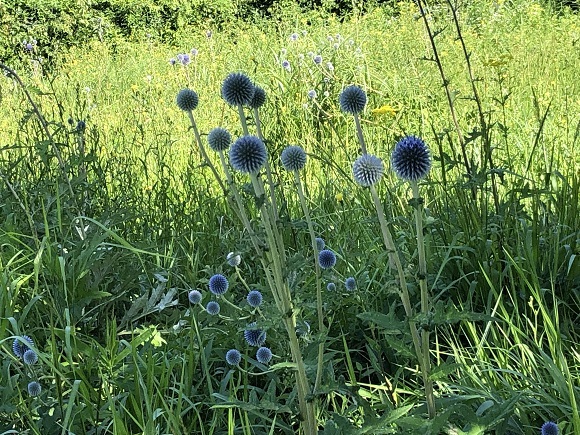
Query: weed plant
point(239, 264)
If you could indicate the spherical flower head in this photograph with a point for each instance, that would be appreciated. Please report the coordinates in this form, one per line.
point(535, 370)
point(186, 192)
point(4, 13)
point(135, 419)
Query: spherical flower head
point(254, 298)
point(320, 243)
point(253, 336)
point(331, 286)
point(293, 36)
point(326, 259)
point(264, 355)
point(350, 284)
point(194, 297)
point(237, 89)
point(317, 59)
point(248, 154)
point(34, 388)
point(259, 98)
point(233, 357)
point(185, 59)
point(286, 65)
point(30, 357)
point(352, 100)
point(219, 139)
point(218, 284)
point(212, 308)
point(293, 158)
point(550, 428)
point(312, 94)
point(19, 348)
point(411, 159)
point(367, 170)
point(233, 259)
point(187, 100)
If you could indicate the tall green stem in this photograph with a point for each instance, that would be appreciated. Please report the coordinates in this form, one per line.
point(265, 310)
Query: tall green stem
point(307, 409)
point(425, 309)
point(321, 327)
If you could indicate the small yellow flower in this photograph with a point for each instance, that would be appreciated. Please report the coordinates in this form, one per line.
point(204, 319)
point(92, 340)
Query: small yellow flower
point(385, 109)
point(339, 196)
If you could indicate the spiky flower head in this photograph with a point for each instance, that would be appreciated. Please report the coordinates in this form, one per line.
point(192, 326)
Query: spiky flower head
point(367, 170)
point(248, 154)
point(187, 100)
point(259, 98)
point(411, 159)
point(34, 388)
point(320, 243)
point(194, 297)
point(18, 347)
point(293, 158)
point(326, 259)
point(233, 259)
point(212, 308)
point(350, 283)
point(264, 355)
point(254, 336)
point(352, 99)
point(254, 298)
point(218, 284)
point(233, 357)
point(30, 357)
point(331, 286)
point(550, 428)
point(237, 89)
point(219, 139)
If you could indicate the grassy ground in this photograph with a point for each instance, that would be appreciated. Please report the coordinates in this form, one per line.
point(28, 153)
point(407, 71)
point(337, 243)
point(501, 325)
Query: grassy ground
point(100, 249)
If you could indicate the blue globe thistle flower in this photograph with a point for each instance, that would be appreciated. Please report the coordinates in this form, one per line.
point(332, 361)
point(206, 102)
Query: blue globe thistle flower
point(317, 59)
point(248, 154)
point(219, 139)
point(30, 357)
point(350, 284)
point(212, 308)
point(352, 99)
point(254, 336)
point(233, 357)
point(218, 284)
point(34, 388)
point(18, 347)
point(550, 428)
point(367, 170)
point(254, 298)
point(293, 158)
point(185, 59)
point(411, 159)
point(194, 297)
point(259, 98)
point(237, 89)
point(286, 65)
point(320, 243)
point(331, 286)
point(264, 355)
point(187, 100)
point(326, 259)
point(312, 94)
point(233, 259)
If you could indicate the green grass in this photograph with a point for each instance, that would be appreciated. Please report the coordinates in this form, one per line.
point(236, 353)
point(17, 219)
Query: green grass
point(121, 350)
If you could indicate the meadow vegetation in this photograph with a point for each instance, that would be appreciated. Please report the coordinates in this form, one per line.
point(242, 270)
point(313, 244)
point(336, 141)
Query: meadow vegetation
point(113, 216)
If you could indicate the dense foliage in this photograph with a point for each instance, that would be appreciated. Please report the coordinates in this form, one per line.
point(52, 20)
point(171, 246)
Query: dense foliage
point(130, 279)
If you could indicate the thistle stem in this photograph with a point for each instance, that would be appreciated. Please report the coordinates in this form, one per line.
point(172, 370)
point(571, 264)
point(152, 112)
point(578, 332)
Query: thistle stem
point(321, 327)
point(359, 134)
point(394, 257)
point(425, 309)
point(282, 292)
